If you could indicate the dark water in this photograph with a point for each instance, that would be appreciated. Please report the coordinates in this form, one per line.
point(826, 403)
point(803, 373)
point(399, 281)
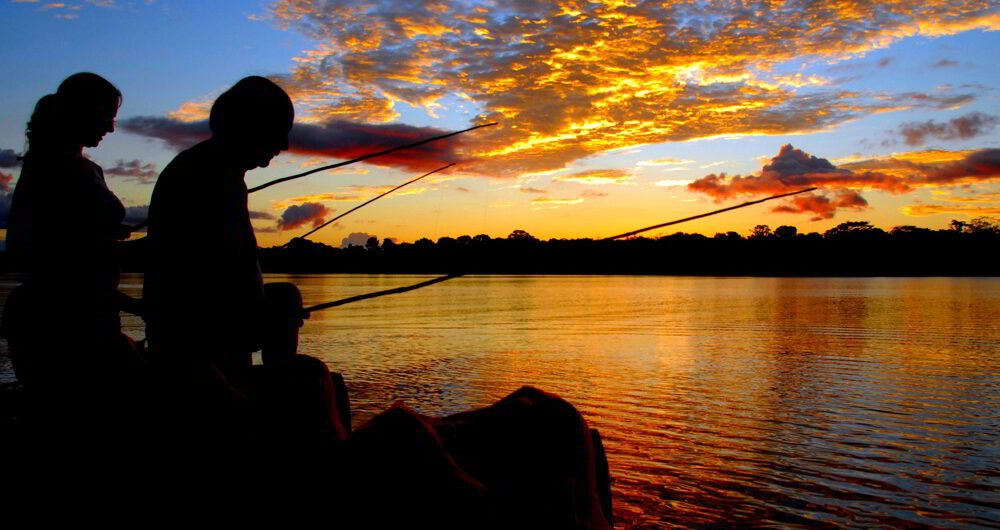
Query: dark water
point(722, 401)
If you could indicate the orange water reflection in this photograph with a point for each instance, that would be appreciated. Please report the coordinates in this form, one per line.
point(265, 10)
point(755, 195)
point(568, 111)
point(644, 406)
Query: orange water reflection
point(733, 401)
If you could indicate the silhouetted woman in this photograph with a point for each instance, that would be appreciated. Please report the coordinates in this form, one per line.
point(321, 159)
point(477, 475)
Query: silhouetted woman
point(63, 323)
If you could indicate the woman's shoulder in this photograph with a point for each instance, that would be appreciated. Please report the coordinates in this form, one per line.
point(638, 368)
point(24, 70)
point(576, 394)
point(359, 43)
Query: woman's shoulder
point(56, 168)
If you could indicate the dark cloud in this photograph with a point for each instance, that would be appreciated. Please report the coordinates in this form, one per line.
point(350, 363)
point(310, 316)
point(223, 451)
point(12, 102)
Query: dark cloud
point(934, 101)
point(983, 165)
point(463, 190)
point(792, 162)
point(300, 214)
point(336, 139)
point(177, 134)
point(134, 170)
point(5, 180)
point(356, 238)
point(532, 190)
point(254, 214)
point(136, 214)
point(963, 127)
point(344, 139)
point(884, 62)
point(944, 63)
point(591, 193)
point(8, 159)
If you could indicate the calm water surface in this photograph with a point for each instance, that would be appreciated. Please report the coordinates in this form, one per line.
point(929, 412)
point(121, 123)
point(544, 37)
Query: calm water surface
point(730, 401)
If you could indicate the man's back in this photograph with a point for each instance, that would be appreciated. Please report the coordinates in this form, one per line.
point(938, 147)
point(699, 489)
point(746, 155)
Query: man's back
point(203, 287)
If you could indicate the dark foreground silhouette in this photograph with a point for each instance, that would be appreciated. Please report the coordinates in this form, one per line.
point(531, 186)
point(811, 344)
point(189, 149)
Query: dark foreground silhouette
point(527, 461)
point(186, 423)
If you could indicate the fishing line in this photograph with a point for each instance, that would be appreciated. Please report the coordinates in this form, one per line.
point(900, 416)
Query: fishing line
point(369, 201)
point(639, 231)
point(143, 224)
point(386, 292)
point(626, 234)
point(366, 157)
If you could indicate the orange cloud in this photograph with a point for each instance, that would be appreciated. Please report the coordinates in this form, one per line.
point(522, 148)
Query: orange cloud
point(794, 169)
point(572, 78)
point(923, 210)
point(822, 206)
point(986, 197)
point(321, 197)
point(192, 111)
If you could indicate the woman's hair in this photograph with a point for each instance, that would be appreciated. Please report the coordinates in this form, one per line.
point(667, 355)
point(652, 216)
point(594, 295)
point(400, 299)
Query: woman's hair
point(76, 96)
point(252, 103)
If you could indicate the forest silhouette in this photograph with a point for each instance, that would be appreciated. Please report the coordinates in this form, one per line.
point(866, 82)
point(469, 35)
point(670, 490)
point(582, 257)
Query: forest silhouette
point(854, 248)
point(849, 249)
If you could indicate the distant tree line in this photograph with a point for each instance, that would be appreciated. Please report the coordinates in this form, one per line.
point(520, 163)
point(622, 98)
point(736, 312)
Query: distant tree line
point(849, 249)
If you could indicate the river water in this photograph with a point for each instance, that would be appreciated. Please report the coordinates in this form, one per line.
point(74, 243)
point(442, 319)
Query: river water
point(722, 401)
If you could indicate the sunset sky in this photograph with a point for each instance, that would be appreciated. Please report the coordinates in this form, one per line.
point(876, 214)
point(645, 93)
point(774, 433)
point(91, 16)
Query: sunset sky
point(613, 114)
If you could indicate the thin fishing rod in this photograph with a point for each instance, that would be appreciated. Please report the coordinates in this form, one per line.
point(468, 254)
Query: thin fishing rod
point(634, 232)
point(366, 157)
point(143, 224)
point(369, 201)
point(377, 294)
point(451, 276)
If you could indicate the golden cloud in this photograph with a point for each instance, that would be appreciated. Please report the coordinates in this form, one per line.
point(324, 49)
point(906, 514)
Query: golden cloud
point(665, 162)
point(321, 197)
point(598, 176)
point(986, 197)
point(923, 210)
point(554, 203)
point(192, 111)
point(571, 78)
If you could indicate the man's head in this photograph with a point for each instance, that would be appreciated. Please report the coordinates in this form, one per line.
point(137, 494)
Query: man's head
point(253, 119)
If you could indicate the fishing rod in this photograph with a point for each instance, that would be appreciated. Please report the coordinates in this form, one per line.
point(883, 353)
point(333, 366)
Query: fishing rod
point(366, 157)
point(377, 294)
point(143, 224)
point(458, 275)
point(369, 201)
point(639, 231)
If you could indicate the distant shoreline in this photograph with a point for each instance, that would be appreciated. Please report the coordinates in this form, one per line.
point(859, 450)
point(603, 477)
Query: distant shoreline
point(853, 249)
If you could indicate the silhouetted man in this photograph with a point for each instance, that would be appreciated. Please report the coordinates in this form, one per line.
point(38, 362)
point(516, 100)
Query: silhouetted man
point(207, 309)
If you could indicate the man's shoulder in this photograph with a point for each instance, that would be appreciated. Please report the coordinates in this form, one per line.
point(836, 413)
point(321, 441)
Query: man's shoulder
point(192, 161)
point(195, 166)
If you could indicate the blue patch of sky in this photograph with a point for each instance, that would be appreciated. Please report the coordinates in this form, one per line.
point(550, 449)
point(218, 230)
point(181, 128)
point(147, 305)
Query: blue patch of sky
point(158, 57)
